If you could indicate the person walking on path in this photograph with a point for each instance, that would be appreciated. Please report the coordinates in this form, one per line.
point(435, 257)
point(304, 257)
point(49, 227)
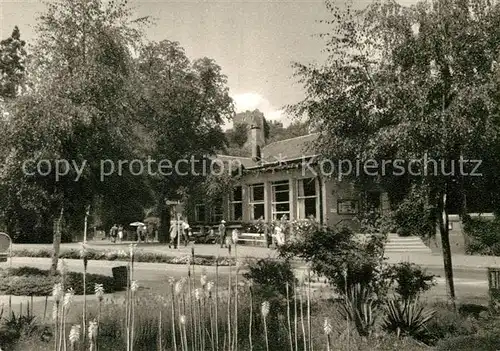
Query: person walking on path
point(222, 233)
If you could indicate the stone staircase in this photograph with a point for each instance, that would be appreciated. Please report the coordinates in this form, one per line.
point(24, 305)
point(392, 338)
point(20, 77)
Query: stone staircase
point(396, 243)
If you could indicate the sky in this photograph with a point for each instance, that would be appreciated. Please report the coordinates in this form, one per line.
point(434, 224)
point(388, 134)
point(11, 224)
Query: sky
point(255, 42)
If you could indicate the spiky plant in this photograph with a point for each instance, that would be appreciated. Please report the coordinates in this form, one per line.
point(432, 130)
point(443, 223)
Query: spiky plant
point(74, 336)
point(288, 316)
point(327, 328)
point(92, 334)
point(265, 312)
point(84, 256)
point(359, 306)
point(172, 304)
point(407, 318)
point(68, 298)
point(57, 295)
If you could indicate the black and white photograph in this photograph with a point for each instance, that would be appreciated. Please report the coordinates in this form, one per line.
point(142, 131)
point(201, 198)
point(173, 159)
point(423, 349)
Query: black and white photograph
point(249, 175)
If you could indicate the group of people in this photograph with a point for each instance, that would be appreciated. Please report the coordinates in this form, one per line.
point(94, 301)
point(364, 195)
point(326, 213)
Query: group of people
point(116, 233)
point(182, 228)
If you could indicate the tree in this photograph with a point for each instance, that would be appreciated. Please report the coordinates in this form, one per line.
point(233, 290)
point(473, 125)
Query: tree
point(12, 64)
point(238, 135)
point(183, 105)
point(404, 83)
point(81, 107)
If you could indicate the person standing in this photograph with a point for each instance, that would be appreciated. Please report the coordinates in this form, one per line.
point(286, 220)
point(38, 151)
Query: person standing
point(185, 232)
point(120, 233)
point(113, 233)
point(173, 233)
point(222, 233)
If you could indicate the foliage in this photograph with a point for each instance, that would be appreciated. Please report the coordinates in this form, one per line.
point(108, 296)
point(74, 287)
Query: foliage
point(342, 257)
point(448, 323)
point(411, 280)
point(183, 105)
point(407, 318)
point(398, 84)
point(360, 307)
point(81, 100)
point(12, 65)
point(14, 326)
point(487, 340)
point(270, 277)
point(121, 255)
point(238, 135)
point(27, 281)
point(414, 216)
point(483, 236)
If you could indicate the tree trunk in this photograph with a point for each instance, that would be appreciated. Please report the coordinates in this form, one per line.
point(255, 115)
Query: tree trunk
point(164, 231)
point(445, 243)
point(56, 242)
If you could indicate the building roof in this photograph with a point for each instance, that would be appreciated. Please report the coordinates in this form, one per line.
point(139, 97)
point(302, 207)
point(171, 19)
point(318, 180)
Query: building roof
point(290, 149)
point(246, 162)
point(278, 152)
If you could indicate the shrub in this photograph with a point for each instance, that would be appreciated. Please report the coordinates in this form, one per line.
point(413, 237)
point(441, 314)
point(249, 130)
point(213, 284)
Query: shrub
point(448, 323)
point(414, 216)
point(28, 281)
point(411, 280)
point(270, 277)
point(485, 341)
point(407, 318)
point(122, 255)
point(484, 236)
point(343, 258)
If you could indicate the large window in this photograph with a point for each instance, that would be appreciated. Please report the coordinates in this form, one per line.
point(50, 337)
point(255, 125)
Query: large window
point(307, 198)
point(199, 213)
point(257, 206)
point(281, 199)
point(236, 204)
point(217, 213)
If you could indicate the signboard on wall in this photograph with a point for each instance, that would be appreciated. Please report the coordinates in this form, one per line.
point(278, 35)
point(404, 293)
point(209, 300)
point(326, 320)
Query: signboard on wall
point(347, 207)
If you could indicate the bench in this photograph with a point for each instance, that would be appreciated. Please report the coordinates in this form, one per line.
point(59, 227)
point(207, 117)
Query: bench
point(256, 238)
point(5, 247)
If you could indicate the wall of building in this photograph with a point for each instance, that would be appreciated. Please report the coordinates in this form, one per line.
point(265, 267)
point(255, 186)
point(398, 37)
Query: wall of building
point(330, 191)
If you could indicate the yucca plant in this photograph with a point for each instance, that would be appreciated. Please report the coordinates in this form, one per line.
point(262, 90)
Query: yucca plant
point(407, 318)
point(360, 307)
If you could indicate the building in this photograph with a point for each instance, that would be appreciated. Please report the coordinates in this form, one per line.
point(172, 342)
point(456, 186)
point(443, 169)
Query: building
point(283, 179)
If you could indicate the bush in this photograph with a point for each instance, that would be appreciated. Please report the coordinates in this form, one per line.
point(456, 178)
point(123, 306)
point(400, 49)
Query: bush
point(448, 323)
point(270, 277)
point(28, 281)
point(414, 216)
point(342, 257)
point(411, 280)
point(484, 236)
point(485, 341)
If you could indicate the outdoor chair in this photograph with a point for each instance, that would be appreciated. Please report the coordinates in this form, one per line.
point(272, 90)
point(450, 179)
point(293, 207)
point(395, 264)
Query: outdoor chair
point(5, 247)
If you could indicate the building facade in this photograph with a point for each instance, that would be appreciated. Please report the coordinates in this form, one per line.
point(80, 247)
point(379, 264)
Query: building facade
point(282, 180)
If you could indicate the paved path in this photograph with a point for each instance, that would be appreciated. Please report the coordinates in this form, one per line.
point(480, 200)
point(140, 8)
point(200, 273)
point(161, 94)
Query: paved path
point(421, 258)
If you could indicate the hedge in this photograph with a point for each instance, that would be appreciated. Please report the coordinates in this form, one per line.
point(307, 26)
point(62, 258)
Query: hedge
point(29, 281)
point(121, 255)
